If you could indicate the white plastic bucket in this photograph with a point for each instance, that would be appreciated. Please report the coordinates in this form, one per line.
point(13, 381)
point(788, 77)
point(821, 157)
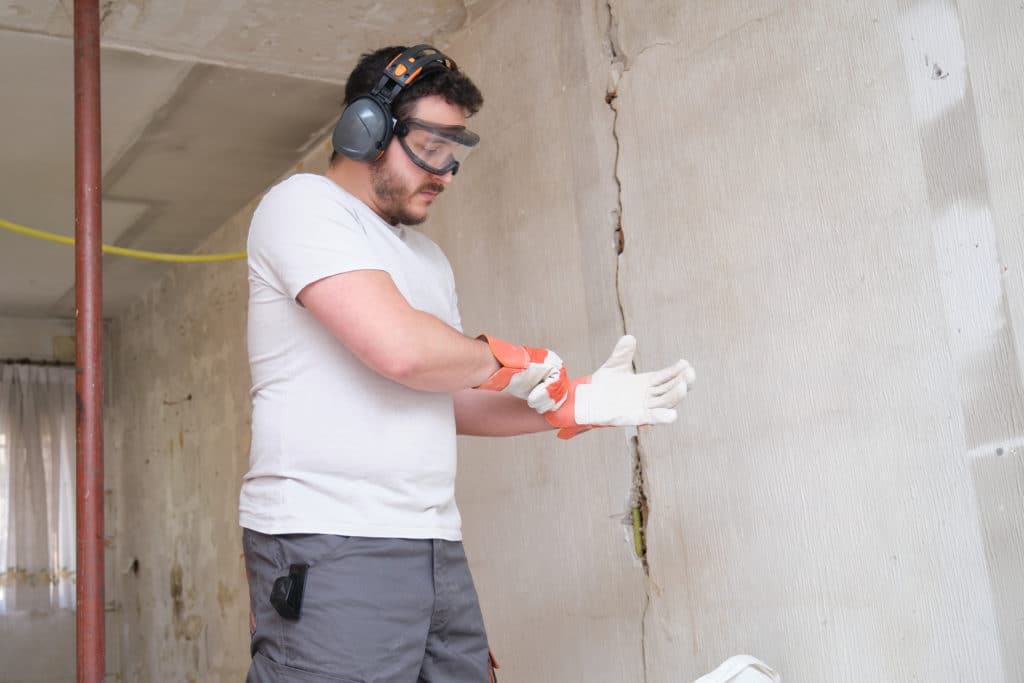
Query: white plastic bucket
point(741, 669)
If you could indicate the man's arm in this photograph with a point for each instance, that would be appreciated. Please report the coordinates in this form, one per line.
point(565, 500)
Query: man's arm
point(614, 396)
point(487, 413)
point(366, 312)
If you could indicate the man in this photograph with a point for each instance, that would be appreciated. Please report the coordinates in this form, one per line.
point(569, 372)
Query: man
point(361, 380)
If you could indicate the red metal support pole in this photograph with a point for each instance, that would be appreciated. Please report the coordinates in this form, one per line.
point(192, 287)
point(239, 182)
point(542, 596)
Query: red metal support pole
point(89, 344)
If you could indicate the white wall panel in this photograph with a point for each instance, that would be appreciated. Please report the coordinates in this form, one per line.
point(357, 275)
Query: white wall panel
point(992, 34)
point(807, 215)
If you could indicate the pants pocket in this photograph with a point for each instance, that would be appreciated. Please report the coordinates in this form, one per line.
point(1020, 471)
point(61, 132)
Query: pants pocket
point(265, 670)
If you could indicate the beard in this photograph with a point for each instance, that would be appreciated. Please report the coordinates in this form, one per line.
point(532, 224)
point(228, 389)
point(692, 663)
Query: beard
point(393, 196)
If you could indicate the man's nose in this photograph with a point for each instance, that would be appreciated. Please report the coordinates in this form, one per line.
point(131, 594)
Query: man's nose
point(444, 179)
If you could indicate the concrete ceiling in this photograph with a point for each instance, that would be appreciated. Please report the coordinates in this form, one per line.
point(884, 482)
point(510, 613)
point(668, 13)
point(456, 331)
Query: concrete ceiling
point(204, 102)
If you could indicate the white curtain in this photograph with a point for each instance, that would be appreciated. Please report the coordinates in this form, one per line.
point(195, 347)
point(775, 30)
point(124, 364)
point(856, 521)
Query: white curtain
point(37, 487)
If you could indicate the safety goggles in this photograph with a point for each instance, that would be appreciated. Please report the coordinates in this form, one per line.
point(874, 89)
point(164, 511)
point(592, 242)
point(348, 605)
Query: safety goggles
point(436, 149)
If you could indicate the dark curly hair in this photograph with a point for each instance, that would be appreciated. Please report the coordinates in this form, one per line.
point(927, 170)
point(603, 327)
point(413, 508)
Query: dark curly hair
point(453, 85)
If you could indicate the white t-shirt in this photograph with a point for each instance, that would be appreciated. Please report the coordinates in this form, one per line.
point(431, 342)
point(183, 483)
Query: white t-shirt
point(336, 447)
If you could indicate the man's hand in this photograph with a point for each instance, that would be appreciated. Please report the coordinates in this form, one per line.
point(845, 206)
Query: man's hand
point(534, 375)
point(616, 396)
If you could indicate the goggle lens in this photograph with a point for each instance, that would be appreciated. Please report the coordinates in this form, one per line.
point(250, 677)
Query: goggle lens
point(436, 149)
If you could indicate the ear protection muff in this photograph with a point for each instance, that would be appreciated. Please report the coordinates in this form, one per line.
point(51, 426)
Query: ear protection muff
point(366, 126)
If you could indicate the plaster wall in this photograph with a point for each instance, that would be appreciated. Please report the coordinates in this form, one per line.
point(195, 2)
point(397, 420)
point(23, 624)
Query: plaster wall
point(821, 209)
point(177, 445)
point(530, 228)
point(825, 225)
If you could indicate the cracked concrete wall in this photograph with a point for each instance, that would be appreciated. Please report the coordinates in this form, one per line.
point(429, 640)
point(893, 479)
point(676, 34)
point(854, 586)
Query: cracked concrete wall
point(838, 281)
point(821, 209)
point(530, 228)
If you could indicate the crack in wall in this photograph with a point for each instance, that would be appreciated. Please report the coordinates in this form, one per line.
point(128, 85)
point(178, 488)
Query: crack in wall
point(638, 501)
point(637, 494)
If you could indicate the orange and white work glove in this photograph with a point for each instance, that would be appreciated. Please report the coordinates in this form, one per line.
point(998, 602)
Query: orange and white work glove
point(617, 396)
point(535, 375)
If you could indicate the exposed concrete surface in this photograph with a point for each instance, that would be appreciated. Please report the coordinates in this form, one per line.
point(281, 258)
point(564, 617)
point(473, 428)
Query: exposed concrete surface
point(204, 102)
point(300, 37)
point(529, 225)
point(202, 156)
point(184, 147)
point(834, 498)
point(38, 161)
point(177, 446)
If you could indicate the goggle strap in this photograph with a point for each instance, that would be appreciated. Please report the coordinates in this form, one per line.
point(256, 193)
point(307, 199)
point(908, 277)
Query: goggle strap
point(459, 137)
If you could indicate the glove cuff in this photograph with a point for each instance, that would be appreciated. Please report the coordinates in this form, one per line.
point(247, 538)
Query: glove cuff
point(512, 357)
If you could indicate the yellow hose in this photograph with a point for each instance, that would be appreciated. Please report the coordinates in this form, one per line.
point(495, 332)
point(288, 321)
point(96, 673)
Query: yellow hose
point(121, 251)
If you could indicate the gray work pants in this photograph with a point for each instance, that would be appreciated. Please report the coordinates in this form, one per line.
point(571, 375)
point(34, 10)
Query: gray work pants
point(374, 610)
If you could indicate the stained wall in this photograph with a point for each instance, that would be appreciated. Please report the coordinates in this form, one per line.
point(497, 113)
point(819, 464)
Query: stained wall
point(177, 436)
point(820, 208)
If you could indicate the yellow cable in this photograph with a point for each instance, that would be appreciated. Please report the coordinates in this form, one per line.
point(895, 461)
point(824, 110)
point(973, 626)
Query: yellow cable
point(121, 251)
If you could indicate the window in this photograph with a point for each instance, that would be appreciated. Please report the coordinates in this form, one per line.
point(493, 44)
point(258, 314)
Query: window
point(37, 474)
